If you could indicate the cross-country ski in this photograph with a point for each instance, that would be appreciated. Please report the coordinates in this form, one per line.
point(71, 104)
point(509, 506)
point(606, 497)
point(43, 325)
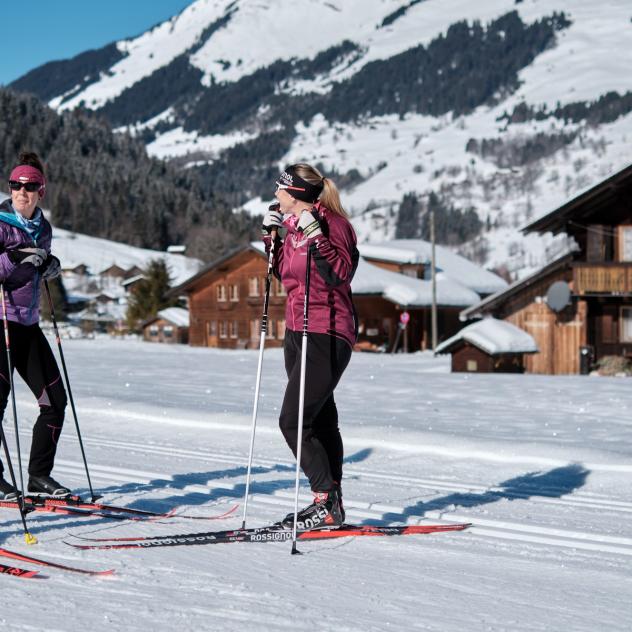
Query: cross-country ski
point(17, 572)
point(73, 505)
point(262, 534)
point(23, 557)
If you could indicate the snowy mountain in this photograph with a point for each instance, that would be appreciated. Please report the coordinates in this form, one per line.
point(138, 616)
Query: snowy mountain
point(506, 107)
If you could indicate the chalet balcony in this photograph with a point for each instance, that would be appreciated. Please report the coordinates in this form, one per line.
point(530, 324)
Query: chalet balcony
point(602, 278)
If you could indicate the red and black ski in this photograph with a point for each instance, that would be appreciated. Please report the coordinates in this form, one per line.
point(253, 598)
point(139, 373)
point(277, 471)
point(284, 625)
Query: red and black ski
point(75, 505)
point(16, 572)
point(272, 533)
point(62, 567)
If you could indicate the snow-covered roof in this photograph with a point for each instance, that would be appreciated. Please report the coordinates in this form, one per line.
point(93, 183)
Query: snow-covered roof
point(408, 291)
point(132, 280)
point(73, 249)
point(176, 315)
point(494, 337)
point(455, 266)
point(404, 290)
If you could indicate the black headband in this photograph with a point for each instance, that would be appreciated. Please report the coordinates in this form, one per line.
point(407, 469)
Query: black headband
point(297, 187)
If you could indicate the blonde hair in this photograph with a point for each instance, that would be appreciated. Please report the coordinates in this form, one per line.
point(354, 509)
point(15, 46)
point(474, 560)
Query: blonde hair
point(330, 197)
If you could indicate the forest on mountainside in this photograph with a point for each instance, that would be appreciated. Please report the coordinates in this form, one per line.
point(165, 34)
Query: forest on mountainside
point(105, 185)
point(453, 226)
point(468, 66)
point(471, 64)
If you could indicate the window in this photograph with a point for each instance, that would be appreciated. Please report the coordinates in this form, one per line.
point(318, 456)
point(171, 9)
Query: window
point(233, 291)
point(472, 365)
point(167, 330)
point(153, 330)
point(626, 324)
point(253, 286)
point(625, 243)
point(234, 329)
point(223, 329)
point(254, 329)
point(221, 293)
point(212, 328)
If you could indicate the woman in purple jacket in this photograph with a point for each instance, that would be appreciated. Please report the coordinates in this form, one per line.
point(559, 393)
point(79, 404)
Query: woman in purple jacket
point(25, 259)
point(315, 219)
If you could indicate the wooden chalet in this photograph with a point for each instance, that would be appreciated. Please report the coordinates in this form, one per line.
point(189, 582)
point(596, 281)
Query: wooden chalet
point(170, 326)
point(226, 300)
point(596, 320)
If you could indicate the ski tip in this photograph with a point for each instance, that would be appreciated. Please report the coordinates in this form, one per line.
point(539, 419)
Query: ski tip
point(77, 546)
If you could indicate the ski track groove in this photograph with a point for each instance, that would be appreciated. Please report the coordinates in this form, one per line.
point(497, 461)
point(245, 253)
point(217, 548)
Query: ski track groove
point(579, 499)
point(497, 529)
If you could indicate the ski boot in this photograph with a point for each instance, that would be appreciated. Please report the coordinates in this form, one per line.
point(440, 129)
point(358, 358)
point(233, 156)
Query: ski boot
point(7, 491)
point(324, 513)
point(47, 486)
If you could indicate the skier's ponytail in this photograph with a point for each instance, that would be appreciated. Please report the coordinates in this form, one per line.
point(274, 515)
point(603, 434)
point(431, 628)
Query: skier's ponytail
point(330, 196)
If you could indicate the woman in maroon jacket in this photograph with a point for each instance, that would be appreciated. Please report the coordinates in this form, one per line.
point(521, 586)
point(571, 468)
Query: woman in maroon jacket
point(315, 219)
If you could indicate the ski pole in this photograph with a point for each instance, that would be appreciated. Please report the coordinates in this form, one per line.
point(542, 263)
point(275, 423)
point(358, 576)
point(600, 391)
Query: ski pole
point(28, 537)
point(72, 401)
point(301, 396)
point(264, 331)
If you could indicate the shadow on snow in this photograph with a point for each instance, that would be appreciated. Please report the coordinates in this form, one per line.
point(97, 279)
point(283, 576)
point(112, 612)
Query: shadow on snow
point(555, 483)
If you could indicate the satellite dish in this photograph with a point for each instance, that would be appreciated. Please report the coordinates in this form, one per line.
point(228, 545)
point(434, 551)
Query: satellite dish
point(558, 296)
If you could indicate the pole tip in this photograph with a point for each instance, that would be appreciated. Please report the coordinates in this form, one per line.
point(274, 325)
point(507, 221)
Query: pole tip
point(29, 538)
point(295, 551)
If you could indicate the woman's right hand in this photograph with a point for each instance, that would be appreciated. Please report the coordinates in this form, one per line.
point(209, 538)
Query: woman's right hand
point(272, 220)
point(34, 256)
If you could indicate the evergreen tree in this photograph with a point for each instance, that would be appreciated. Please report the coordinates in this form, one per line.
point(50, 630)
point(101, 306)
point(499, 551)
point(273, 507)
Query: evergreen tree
point(408, 218)
point(148, 296)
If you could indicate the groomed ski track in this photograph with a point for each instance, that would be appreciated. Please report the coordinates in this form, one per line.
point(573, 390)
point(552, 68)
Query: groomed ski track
point(551, 517)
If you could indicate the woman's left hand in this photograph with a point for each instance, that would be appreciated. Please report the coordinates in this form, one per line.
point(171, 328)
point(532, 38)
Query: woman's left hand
point(308, 224)
point(51, 268)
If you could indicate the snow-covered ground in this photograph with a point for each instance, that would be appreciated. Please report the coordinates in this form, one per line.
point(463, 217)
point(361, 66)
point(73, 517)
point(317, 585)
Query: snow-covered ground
point(540, 465)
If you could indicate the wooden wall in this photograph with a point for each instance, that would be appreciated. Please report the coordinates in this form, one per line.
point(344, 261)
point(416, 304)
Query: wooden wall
point(470, 359)
point(378, 321)
point(558, 338)
point(236, 323)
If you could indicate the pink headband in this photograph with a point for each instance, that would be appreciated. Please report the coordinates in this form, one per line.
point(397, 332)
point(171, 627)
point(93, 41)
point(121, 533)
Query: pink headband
point(26, 173)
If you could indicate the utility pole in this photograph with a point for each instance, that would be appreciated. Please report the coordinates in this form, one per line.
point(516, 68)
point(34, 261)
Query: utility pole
point(434, 281)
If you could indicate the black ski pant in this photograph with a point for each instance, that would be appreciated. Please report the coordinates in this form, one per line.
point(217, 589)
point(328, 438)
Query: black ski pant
point(33, 359)
point(321, 447)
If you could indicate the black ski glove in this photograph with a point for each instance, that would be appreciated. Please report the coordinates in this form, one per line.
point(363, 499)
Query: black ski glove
point(34, 256)
point(51, 268)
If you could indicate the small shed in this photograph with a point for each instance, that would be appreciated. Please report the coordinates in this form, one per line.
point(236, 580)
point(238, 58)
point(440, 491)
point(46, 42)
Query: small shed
point(171, 325)
point(489, 346)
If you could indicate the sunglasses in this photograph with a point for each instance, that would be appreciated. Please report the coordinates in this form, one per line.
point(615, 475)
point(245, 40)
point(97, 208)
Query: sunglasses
point(283, 187)
point(31, 187)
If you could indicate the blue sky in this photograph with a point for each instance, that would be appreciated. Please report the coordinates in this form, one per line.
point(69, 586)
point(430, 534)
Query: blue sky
point(45, 30)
